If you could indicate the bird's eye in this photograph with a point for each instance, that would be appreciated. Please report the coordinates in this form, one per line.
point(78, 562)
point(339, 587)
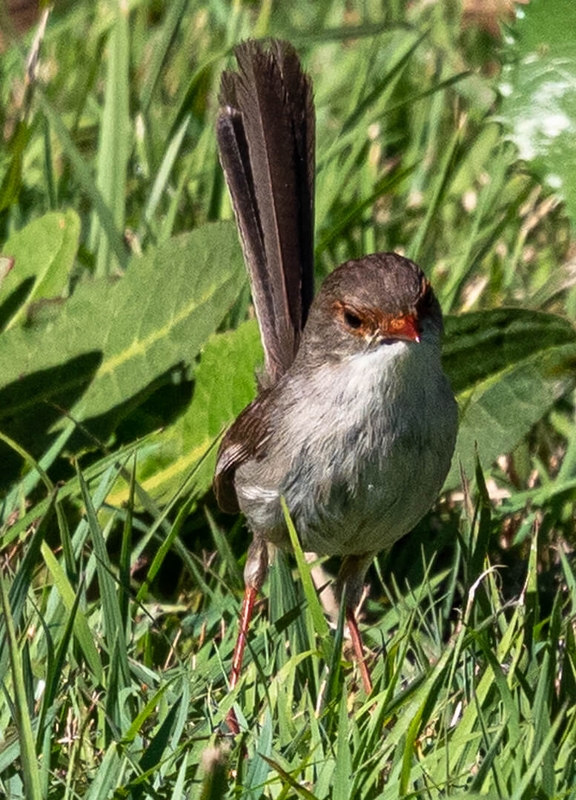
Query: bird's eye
point(352, 320)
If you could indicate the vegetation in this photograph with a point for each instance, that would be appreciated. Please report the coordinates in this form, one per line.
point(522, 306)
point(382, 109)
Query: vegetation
point(126, 347)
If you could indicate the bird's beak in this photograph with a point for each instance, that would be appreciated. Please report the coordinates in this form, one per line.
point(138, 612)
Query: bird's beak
point(404, 326)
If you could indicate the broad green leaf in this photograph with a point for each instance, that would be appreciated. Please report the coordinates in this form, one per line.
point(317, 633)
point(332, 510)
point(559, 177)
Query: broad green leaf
point(176, 298)
point(43, 254)
point(539, 88)
point(113, 341)
point(225, 383)
point(480, 344)
point(6, 264)
point(508, 368)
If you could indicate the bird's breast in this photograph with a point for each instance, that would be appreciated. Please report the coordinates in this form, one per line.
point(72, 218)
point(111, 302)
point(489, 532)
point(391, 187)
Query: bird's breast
point(360, 451)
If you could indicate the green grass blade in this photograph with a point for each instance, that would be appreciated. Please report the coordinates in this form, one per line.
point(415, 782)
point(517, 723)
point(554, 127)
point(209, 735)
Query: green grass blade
point(30, 771)
point(162, 176)
point(25, 574)
point(84, 175)
point(258, 768)
point(442, 176)
point(314, 605)
point(159, 742)
point(115, 140)
point(335, 683)
point(55, 670)
point(81, 627)
point(106, 779)
point(289, 781)
point(343, 769)
point(125, 553)
point(228, 558)
point(161, 51)
point(165, 547)
point(106, 581)
point(180, 782)
point(537, 762)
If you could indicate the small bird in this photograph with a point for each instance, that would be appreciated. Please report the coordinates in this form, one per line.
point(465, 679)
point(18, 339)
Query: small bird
point(355, 423)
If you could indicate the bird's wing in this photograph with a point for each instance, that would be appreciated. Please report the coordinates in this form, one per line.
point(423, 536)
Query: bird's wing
point(246, 438)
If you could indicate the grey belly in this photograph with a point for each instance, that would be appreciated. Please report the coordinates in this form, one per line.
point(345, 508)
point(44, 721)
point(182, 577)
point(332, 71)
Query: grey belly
point(344, 507)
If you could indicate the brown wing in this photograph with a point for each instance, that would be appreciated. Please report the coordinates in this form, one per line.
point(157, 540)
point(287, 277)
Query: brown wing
point(245, 439)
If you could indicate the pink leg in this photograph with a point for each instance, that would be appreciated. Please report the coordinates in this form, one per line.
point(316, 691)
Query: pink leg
point(350, 583)
point(250, 594)
point(358, 649)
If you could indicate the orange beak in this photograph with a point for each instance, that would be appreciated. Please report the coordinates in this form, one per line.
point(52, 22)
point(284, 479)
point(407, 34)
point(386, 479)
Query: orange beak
point(403, 327)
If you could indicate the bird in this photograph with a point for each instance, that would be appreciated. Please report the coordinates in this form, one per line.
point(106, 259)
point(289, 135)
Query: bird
point(354, 423)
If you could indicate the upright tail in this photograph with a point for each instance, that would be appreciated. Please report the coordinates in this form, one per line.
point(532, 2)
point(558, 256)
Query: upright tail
point(265, 135)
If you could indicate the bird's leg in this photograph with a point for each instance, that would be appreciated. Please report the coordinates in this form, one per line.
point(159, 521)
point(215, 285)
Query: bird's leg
point(250, 593)
point(351, 583)
point(358, 648)
point(254, 576)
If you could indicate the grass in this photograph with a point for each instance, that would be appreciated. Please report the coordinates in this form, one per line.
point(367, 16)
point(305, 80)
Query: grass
point(117, 694)
point(119, 617)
